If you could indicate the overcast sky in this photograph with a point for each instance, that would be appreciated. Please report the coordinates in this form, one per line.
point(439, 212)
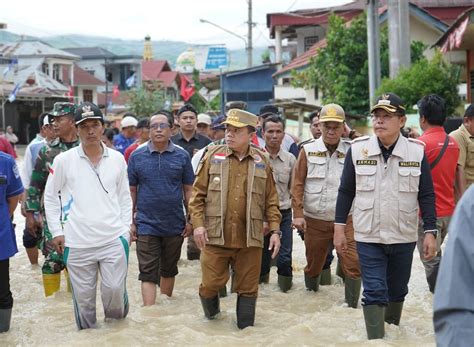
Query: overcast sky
point(133, 19)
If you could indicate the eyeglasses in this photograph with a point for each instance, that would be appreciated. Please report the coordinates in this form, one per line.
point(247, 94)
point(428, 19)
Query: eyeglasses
point(162, 126)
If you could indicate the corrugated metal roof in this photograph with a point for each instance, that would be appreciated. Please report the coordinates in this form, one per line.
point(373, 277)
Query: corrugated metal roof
point(90, 52)
point(34, 48)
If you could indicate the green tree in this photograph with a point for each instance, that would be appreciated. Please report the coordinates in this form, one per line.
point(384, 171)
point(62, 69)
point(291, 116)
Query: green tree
point(426, 77)
point(340, 70)
point(145, 102)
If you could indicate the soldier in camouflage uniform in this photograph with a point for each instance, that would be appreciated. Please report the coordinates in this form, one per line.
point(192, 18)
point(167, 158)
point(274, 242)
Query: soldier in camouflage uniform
point(64, 127)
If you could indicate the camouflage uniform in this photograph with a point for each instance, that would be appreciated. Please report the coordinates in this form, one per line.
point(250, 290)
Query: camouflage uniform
point(34, 202)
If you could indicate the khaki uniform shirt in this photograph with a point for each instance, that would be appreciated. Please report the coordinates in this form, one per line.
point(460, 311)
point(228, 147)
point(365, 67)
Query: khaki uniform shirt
point(232, 197)
point(282, 165)
point(466, 152)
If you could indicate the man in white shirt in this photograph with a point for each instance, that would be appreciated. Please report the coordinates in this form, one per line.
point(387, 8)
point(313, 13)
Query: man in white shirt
point(89, 213)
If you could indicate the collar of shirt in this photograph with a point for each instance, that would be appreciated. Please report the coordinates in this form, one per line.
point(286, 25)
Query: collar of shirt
point(434, 130)
point(180, 136)
point(250, 152)
point(82, 154)
point(280, 155)
point(171, 147)
point(387, 152)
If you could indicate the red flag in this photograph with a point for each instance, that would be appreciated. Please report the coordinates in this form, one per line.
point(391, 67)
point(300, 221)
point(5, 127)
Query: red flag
point(70, 94)
point(115, 91)
point(187, 90)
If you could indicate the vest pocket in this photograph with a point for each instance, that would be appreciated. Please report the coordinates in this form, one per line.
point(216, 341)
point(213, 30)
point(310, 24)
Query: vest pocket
point(363, 214)
point(365, 178)
point(408, 180)
point(213, 220)
point(408, 215)
point(256, 232)
point(312, 195)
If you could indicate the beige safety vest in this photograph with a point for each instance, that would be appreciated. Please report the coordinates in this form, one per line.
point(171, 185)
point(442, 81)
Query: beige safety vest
point(323, 178)
point(386, 200)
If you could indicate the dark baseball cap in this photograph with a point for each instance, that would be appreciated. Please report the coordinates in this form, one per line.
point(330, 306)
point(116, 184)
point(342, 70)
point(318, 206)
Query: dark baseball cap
point(391, 103)
point(143, 123)
point(217, 123)
point(268, 110)
point(88, 110)
point(241, 105)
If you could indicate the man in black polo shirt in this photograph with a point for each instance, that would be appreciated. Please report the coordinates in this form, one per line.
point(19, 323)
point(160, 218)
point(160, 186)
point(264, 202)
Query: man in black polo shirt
point(192, 142)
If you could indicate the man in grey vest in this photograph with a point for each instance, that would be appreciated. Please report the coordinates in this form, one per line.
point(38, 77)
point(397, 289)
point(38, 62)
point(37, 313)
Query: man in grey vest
point(388, 177)
point(316, 180)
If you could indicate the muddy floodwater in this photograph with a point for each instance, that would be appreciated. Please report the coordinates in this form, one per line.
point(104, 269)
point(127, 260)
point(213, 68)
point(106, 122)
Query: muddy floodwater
point(294, 318)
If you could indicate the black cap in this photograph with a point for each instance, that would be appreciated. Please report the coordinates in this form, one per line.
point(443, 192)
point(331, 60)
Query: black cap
point(241, 105)
point(187, 108)
point(268, 110)
point(469, 113)
point(88, 110)
point(391, 103)
point(217, 123)
point(143, 123)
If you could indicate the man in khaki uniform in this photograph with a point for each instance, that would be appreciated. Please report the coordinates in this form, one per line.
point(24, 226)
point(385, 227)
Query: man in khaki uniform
point(317, 174)
point(464, 136)
point(234, 192)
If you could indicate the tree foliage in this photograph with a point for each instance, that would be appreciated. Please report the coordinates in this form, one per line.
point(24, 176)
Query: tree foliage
point(340, 70)
point(145, 102)
point(426, 77)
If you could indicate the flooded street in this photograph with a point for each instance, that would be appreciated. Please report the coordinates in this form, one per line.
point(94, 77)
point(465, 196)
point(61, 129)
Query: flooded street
point(294, 318)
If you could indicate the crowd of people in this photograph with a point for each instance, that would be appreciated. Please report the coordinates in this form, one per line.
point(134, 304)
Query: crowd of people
point(237, 187)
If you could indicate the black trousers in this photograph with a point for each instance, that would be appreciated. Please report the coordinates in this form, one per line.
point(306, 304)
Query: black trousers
point(6, 298)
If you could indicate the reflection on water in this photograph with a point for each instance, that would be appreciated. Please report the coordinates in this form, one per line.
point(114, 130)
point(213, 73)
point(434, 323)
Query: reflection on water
point(294, 318)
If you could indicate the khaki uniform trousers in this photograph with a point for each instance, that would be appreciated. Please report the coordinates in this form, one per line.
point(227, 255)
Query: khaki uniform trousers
point(245, 263)
point(318, 240)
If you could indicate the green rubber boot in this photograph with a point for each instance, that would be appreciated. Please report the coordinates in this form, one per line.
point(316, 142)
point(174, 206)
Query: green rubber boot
point(5, 319)
point(352, 291)
point(393, 312)
point(285, 283)
point(312, 283)
point(325, 277)
point(374, 321)
point(339, 271)
point(264, 278)
point(223, 292)
point(210, 306)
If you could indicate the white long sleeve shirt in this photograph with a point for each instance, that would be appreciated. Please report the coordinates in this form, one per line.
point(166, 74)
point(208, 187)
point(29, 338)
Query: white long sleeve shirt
point(89, 205)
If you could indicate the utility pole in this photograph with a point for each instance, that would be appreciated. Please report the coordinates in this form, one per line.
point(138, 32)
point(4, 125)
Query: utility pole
point(398, 35)
point(249, 36)
point(373, 44)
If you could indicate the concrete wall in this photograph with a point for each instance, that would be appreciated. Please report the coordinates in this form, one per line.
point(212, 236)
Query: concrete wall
point(301, 33)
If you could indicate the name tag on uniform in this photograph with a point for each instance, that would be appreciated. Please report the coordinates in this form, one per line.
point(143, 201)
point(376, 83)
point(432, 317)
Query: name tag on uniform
point(366, 162)
point(409, 164)
point(259, 164)
point(317, 154)
point(341, 155)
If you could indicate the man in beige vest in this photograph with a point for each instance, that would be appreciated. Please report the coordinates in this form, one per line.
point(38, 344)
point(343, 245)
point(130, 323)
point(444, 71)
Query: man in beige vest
point(316, 181)
point(387, 176)
point(234, 192)
point(464, 136)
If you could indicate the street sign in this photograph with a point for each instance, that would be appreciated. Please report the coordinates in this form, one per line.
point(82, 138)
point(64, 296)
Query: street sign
point(216, 58)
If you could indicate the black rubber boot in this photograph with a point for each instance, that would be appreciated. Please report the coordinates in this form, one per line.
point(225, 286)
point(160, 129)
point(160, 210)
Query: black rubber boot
point(352, 291)
point(374, 321)
point(285, 283)
point(393, 312)
point(339, 271)
point(325, 277)
point(312, 283)
point(5, 319)
point(245, 311)
point(223, 292)
point(210, 306)
point(264, 278)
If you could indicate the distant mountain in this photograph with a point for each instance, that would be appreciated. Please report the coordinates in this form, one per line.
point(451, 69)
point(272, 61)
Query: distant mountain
point(166, 50)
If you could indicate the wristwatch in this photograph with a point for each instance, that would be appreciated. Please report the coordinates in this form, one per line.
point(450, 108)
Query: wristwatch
point(277, 232)
point(434, 232)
